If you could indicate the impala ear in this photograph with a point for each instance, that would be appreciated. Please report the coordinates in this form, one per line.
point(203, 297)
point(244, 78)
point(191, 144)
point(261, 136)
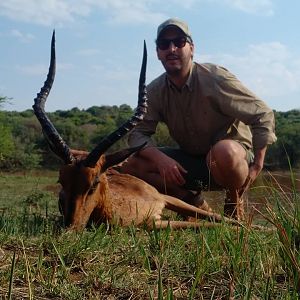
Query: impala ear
point(119, 156)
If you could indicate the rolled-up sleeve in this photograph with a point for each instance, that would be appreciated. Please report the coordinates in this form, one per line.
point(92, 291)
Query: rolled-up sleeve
point(235, 100)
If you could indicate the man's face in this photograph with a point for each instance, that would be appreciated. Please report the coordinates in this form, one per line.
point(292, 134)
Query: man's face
point(175, 60)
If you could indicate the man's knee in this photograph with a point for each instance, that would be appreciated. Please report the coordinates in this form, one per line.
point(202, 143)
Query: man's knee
point(227, 163)
point(226, 153)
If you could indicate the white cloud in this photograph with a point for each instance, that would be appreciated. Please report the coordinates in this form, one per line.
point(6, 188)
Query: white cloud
point(59, 12)
point(19, 35)
point(263, 7)
point(260, 7)
point(32, 70)
point(88, 52)
point(257, 7)
point(46, 12)
point(49, 12)
point(40, 69)
point(23, 37)
point(129, 11)
point(269, 69)
point(187, 4)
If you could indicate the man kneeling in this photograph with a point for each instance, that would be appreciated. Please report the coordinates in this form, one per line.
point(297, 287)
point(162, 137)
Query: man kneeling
point(221, 128)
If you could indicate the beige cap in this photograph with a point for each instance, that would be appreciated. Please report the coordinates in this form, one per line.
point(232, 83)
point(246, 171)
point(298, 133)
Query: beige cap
point(174, 22)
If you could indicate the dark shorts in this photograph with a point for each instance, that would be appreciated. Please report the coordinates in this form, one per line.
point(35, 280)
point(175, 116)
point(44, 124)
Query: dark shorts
point(198, 176)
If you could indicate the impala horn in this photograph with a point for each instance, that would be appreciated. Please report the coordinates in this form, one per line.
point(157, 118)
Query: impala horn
point(55, 141)
point(140, 112)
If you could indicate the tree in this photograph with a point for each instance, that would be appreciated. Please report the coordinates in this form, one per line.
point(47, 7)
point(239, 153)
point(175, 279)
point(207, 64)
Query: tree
point(6, 138)
point(6, 141)
point(2, 100)
point(22, 144)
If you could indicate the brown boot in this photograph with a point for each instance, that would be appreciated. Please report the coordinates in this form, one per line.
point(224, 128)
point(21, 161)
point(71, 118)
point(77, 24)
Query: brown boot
point(198, 201)
point(201, 203)
point(234, 205)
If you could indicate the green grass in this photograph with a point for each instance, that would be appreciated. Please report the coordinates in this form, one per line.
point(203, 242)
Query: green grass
point(40, 260)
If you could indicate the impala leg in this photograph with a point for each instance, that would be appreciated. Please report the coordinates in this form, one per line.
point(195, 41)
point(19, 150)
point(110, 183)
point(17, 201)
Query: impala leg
point(163, 224)
point(183, 208)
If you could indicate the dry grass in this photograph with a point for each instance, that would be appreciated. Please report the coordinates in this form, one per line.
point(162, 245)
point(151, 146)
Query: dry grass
point(40, 260)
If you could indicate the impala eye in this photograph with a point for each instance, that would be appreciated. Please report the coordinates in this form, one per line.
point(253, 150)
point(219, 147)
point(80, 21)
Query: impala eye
point(94, 185)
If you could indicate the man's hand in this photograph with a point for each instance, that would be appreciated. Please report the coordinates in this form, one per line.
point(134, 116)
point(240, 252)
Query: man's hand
point(256, 167)
point(254, 171)
point(171, 171)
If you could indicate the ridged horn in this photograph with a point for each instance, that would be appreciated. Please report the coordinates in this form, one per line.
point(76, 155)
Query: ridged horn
point(56, 143)
point(138, 116)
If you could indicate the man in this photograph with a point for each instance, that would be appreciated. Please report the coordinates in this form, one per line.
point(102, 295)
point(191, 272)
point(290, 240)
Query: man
point(221, 128)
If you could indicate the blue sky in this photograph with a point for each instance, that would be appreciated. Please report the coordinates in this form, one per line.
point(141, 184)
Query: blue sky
point(99, 47)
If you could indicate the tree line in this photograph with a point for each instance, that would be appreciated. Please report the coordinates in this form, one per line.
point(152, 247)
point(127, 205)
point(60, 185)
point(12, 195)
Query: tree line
point(23, 146)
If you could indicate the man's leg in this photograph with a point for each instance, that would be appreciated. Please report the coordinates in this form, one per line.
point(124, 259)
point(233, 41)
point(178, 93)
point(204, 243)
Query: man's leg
point(229, 167)
point(147, 171)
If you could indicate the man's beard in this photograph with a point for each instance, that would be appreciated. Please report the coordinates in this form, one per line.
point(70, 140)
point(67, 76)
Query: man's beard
point(173, 70)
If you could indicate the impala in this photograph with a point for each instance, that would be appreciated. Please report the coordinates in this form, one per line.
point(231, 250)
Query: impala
point(92, 192)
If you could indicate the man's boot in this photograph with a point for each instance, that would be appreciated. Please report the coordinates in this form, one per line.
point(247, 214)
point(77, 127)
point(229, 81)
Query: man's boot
point(234, 205)
point(198, 201)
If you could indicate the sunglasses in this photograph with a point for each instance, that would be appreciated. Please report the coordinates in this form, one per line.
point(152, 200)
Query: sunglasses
point(164, 44)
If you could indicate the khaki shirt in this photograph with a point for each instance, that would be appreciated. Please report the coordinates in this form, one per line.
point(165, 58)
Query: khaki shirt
point(211, 106)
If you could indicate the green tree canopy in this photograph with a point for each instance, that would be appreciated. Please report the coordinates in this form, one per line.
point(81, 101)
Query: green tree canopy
point(22, 143)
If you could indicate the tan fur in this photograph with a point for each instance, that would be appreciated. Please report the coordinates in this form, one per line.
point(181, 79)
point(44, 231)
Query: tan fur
point(120, 198)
